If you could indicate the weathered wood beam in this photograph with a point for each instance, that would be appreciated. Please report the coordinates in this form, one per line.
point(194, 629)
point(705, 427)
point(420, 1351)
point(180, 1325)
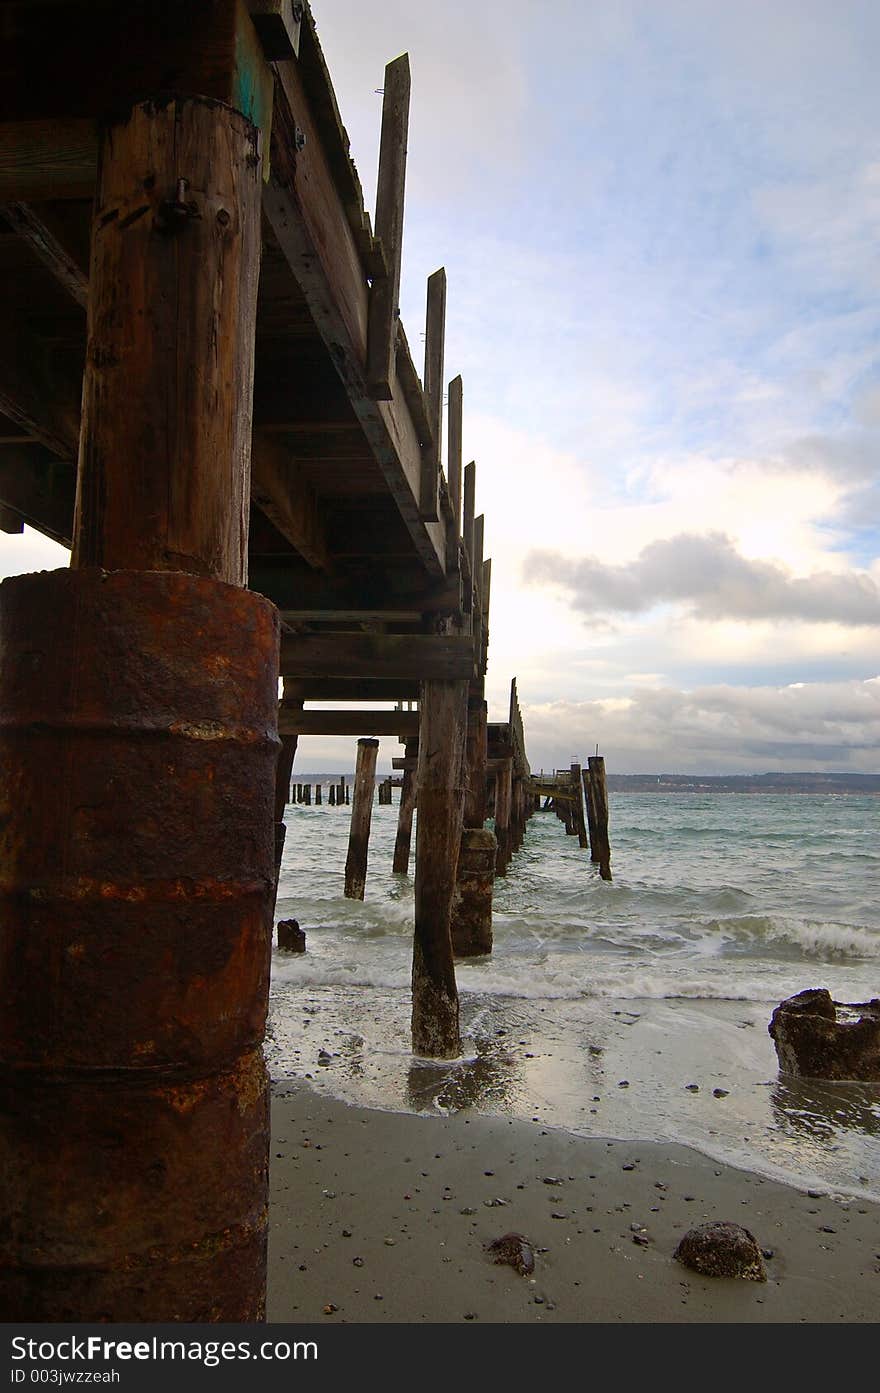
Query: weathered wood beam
point(278, 24)
point(354, 689)
point(361, 816)
point(351, 616)
point(33, 227)
point(174, 268)
point(47, 159)
point(390, 189)
point(408, 795)
point(280, 489)
point(10, 521)
point(453, 467)
point(305, 211)
point(40, 489)
point(403, 724)
point(467, 531)
point(435, 338)
point(36, 392)
point(420, 657)
point(435, 1017)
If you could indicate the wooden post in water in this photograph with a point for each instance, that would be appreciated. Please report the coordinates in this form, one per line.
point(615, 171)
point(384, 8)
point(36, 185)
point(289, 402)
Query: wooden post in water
point(577, 789)
point(361, 816)
point(331, 797)
point(405, 813)
point(307, 795)
point(289, 708)
point(435, 1025)
point(596, 765)
point(318, 795)
point(590, 801)
point(502, 816)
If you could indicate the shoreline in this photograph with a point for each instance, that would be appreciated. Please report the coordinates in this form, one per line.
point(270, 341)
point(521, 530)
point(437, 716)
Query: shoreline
point(416, 1197)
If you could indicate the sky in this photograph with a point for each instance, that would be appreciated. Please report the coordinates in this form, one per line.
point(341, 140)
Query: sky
point(660, 224)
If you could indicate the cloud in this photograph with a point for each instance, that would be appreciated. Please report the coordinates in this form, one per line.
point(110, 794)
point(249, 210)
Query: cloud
point(723, 729)
point(709, 574)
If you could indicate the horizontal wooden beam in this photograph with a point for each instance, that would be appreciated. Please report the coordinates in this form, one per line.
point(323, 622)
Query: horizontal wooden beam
point(37, 394)
point(47, 159)
point(39, 488)
point(354, 689)
point(403, 724)
point(278, 23)
point(10, 521)
point(417, 657)
point(350, 616)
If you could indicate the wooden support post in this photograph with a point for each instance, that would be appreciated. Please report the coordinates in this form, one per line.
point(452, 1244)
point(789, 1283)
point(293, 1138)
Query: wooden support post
point(318, 795)
point(288, 706)
point(472, 905)
point(361, 816)
point(502, 816)
point(174, 267)
point(332, 796)
point(577, 790)
point(453, 459)
point(592, 825)
point(596, 764)
point(475, 795)
point(307, 795)
point(405, 813)
point(134, 1139)
point(435, 1023)
point(429, 493)
point(385, 290)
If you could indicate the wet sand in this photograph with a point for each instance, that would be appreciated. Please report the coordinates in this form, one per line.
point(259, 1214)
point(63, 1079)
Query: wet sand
point(384, 1217)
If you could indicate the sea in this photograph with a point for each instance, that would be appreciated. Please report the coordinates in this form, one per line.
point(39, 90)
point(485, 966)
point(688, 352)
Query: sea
point(635, 1009)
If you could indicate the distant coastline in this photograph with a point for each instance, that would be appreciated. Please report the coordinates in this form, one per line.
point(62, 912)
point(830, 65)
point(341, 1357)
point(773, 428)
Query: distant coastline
point(745, 783)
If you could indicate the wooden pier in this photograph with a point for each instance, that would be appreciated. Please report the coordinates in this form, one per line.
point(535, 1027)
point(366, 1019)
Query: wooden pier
point(206, 393)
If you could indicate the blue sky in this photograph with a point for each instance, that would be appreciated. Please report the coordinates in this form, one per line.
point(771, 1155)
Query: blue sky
point(660, 221)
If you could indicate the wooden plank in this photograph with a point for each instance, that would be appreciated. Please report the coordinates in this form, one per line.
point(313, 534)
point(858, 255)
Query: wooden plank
point(411, 657)
point(167, 282)
point(10, 521)
point(390, 189)
point(351, 616)
point(357, 689)
point(279, 24)
point(454, 452)
point(402, 724)
point(47, 159)
point(279, 487)
point(435, 337)
point(467, 532)
point(32, 227)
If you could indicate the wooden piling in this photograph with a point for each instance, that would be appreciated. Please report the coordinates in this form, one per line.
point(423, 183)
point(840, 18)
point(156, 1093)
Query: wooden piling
point(318, 795)
point(405, 813)
point(596, 764)
point(502, 817)
point(361, 816)
point(332, 796)
point(134, 1135)
point(289, 706)
point(435, 1020)
point(577, 790)
point(472, 903)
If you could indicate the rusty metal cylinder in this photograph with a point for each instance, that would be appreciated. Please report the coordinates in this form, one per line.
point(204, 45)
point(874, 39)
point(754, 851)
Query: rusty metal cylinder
point(138, 741)
point(472, 904)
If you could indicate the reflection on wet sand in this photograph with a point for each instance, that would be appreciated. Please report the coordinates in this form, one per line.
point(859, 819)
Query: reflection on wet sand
point(821, 1111)
point(492, 1079)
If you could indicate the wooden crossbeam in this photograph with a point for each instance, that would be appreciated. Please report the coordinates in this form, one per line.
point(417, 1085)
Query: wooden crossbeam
point(33, 227)
point(402, 724)
point(47, 159)
point(413, 657)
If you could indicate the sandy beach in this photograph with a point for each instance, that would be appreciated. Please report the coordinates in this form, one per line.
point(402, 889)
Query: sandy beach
point(384, 1217)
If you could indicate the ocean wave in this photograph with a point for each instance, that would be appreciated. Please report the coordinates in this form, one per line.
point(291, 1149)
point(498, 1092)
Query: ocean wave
point(810, 938)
